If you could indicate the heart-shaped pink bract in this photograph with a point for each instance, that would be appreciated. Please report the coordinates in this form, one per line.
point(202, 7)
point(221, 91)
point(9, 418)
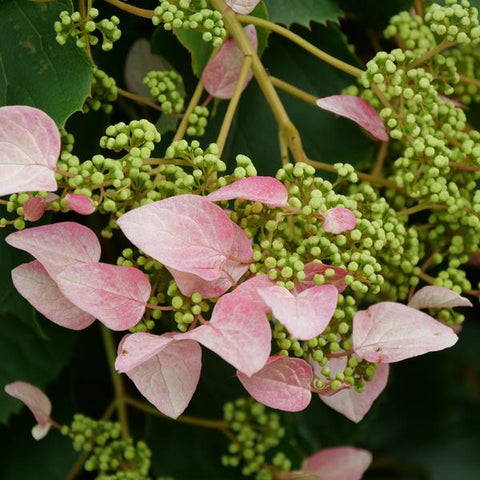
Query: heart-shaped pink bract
point(358, 110)
point(437, 297)
point(164, 370)
point(221, 73)
point(238, 332)
point(80, 203)
point(186, 232)
point(34, 208)
point(232, 271)
point(305, 315)
point(318, 268)
point(266, 190)
point(37, 402)
point(389, 332)
point(58, 246)
point(35, 284)
point(242, 6)
point(354, 405)
point(283, 383)
point(29, 149)
point(338, 463)
point(339, 220)
point(115, 295)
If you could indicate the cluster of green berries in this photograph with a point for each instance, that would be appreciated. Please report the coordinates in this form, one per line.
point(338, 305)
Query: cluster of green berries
point(83, 29)
point(255, 430)
point(456, 21)
point(138, 138)
point(166, 88)
point(191, 15)
point(467, 64)
point(197, 121)
point(102, 94)
point(111, 457)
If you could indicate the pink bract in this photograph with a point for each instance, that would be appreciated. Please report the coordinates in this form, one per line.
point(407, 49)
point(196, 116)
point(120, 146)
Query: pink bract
point(358, 110)
point(354, 405)
point(35, 284)
point(58, 246)
point(37, 402)
point(242, 6)
point(232, 271)
point(305, 315)
point(266, 190)
point(115, 295)
point(221, 73)
point(318, 268)
point(80, 203)
point(283, 383)
point(339, 220)
point(186, 232)
point(389, 332)
point(338, 463)
point(238, 332)
point(29, 149)
point(165, 371)
point(34, 208)
point(437, 297)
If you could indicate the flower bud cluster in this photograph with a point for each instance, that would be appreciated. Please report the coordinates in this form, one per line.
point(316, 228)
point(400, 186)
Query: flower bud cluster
point(102, 94)
point(166, 88)
point(197, 121)
point(191, 15)
point(83, 29)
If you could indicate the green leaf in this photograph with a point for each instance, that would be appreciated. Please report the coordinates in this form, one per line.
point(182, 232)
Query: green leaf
point(24, 355)
point(325, 137)
point(34, 69)
point(302, 11)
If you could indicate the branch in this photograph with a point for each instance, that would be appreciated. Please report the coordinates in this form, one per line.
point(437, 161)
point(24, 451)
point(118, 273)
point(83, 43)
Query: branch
point(294, 91)
point(335, 62)
point(232, 105)
point(116, 380)
point(431, 53)
point(143, 100)
point(182, 128)
point(380, 160)
point(139, 12)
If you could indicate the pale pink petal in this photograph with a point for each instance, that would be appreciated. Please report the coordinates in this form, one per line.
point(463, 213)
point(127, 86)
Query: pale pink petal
point(35, 284)
point(80, 203)
point(242, 6)
point(304, 315)
point(354, 405)
point(248, 292)
point(221, 73)
point(51, 197)
point(339, 463)
point(29, 149)
point(266, 190)
point(116, 295)
point(238, 332)
point(231, 271)
point(357, 110)
point(437, 297)
point(389, 332)
point(318, 268)
point(37, 402)
point(58, 246)
point(165, 371)
point(186, 232)
point(283, 383)
point(34, 208)
point(339, 220)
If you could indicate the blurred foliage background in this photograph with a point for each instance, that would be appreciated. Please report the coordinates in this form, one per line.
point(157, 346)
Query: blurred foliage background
point(425, 426)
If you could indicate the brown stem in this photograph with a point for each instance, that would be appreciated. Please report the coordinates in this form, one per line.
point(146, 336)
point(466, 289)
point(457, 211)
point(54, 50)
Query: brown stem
point(418, 6)
point(380, 160)
point(160, 307)
point(464, 166)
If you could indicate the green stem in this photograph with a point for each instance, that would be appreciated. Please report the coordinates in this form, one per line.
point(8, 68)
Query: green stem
point(143, 100)
point(431, 53)
point(117, 381)
point(139, 12)
point(197, 421)
point(182, 128)
point(294, 91)
point(233, 104)
point(335, 62)
point(420, 207)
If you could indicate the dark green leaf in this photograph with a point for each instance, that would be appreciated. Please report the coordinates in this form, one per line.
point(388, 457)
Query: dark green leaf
point(34, 69)
point(24, 355)
point(302, 11)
